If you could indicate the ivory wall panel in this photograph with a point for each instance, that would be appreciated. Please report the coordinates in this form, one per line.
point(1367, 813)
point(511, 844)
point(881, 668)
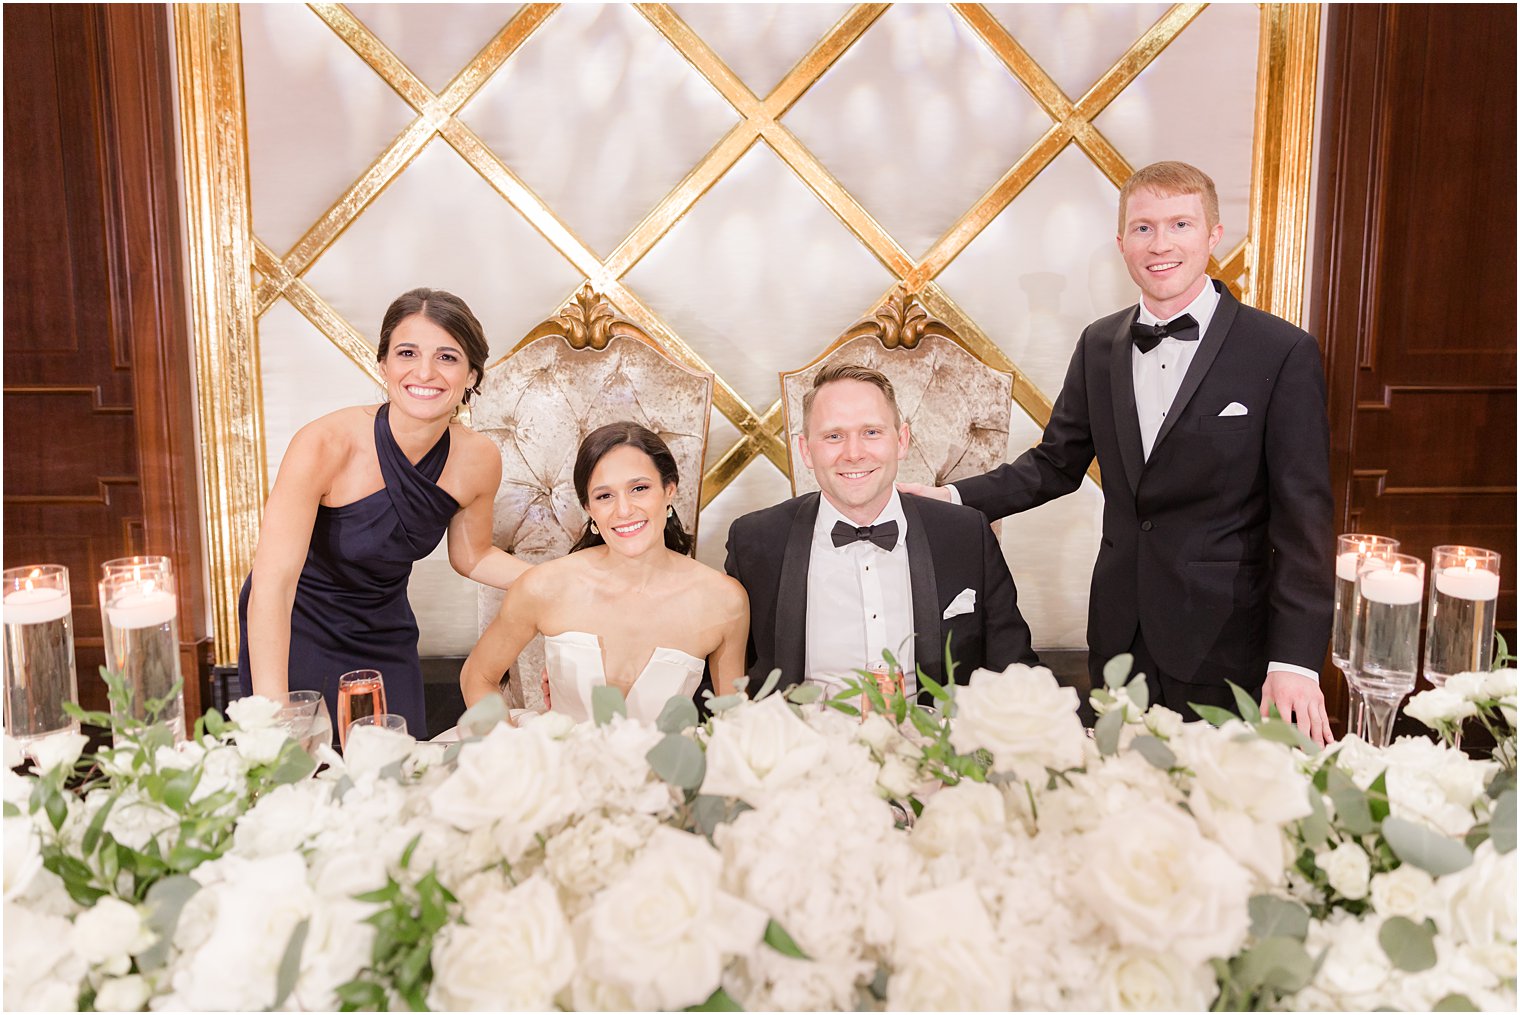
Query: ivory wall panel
point(510, 153)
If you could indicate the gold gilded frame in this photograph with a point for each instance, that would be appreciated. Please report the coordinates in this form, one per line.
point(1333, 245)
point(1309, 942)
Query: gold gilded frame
point(235, 278)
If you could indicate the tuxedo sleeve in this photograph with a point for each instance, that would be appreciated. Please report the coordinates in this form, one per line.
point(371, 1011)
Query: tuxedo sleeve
point(1300, 522)
point(731, 566)
point(1050, 469)
point(1006, 638)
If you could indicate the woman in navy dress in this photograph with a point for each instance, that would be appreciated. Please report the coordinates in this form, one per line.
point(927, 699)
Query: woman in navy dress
point(361, 494)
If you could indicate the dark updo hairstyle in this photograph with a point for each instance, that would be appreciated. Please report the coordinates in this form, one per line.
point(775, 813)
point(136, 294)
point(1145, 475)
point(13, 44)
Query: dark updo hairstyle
point(451, 314)
point(614, 435)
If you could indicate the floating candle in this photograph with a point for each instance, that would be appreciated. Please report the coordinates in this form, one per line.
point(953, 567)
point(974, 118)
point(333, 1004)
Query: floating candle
point(35, 606)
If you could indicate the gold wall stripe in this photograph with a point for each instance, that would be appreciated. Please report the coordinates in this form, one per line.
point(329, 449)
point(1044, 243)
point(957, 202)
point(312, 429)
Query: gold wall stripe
point(320, 313)
point(213, 134)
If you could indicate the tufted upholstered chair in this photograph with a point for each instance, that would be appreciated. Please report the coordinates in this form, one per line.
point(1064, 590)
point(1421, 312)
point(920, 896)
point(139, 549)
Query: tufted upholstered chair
point(957, 406)
point(579, 370)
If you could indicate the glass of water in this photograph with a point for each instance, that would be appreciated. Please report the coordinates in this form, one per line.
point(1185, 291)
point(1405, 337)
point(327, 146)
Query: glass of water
point(39, 651)
point(1385, 637)
point(139, 616)
point(1351, 549)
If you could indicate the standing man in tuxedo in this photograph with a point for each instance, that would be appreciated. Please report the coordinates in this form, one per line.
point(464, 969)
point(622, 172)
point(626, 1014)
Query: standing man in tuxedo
point(837, 577)
point(1208, 420)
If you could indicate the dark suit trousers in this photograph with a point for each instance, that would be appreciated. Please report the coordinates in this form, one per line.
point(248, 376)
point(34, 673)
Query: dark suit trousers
point(1164, 690)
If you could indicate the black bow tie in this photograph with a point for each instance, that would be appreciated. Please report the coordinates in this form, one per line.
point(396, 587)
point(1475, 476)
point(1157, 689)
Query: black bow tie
point(883, 535)
point(1148, 336)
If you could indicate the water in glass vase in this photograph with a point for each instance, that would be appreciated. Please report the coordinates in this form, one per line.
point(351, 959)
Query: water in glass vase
point(1345, 613)
point(142, 645)
point(39, 659)
point(1388, 644)
point(1461, 636)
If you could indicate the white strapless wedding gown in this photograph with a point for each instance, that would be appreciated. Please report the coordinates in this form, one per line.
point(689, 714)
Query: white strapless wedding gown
point(574, 662)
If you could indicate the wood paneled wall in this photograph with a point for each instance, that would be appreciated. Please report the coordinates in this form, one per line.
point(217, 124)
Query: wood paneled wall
point(1414, 294)
point(100, 455)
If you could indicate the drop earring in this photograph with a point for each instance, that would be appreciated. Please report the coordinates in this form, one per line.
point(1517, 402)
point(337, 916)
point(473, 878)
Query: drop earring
point(594, 530)
point(670, 511)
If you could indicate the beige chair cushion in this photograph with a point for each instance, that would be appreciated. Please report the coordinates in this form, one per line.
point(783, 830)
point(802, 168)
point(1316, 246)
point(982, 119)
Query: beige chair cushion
point(537, 405)
point(957, 407)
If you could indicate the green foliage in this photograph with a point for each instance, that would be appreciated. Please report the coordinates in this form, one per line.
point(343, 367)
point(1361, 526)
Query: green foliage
point(777, 937)
point(606, 702)
point(1274, 917)
point(407, 922)
point(679, 714)
point(719, 1001)
point(679, 761)
point(1430, 851)
point(1409, 946)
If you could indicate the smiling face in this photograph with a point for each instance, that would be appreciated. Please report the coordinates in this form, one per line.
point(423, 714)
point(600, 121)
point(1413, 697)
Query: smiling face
point(425, 369)
point(853, 443)
point(626, 501)
point(1166, 244)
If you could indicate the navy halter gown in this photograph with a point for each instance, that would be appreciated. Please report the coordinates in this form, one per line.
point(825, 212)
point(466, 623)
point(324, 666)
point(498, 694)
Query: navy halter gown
point(351, 610)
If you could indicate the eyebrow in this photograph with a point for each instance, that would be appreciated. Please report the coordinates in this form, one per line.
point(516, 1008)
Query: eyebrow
point(445, 347)
point(635, 479)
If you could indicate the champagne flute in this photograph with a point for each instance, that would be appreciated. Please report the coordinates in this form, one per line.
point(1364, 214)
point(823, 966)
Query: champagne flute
point(1385, 637)
point(360, 693)
point(1351, 549)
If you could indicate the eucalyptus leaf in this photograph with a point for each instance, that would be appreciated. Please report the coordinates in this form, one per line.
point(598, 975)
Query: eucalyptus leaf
point(1281, 732)
point(678, 761)
point(777, 937)
point(1212, 714)
point(1139, 692)
point(719, 1001)
point(679, 713)
point(1409, 946)
point(1280, 964)
point(164, 902)
point(1154, 750)
point(481, 717)
point(1274, 917)
point(1351, 807)
point(804, 694)
point(709, 812)
point(1250, 711)
point(771, 680)
point(1455, 1002)
point(290, 963)
point(724, 702)
point(1106, 733)
point(1116, 670)
point(1501, 825)
point(606, 702)
point(97, 824)
point(294, 765)
point(1430, 851)
point(1316, 827)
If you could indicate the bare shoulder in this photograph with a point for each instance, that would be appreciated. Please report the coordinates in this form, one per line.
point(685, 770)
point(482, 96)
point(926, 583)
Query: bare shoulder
point(724, 592)
point(327, 442)
point(479, 456)
point(545, 581)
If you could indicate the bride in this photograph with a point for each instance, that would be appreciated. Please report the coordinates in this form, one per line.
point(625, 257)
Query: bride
point(628, 607)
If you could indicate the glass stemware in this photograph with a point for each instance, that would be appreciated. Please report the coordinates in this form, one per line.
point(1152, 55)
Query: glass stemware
point(1385, 637)
point(1351, 550)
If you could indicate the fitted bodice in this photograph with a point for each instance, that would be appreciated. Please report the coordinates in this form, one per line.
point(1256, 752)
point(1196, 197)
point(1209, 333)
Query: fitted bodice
point(574, 662)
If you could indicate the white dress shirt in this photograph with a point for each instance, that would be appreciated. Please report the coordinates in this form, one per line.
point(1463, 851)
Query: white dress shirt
point(1158, 374)
point(859, 600)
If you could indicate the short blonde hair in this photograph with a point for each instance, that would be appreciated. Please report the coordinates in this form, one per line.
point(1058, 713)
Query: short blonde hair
point(1172, 179)
point(850, 372)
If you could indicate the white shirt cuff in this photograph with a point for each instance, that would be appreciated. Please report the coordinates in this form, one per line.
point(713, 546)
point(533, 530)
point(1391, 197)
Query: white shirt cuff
point(955, 495)
point(1300, 670)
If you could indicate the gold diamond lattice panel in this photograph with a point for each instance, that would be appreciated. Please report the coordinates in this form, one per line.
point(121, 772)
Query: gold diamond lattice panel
point(513, 153)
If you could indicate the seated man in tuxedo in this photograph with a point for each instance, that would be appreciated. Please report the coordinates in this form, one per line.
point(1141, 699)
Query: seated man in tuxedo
point(837, 578)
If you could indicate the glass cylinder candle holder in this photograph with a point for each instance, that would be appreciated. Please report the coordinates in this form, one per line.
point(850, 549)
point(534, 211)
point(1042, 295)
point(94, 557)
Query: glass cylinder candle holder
point(39, 651)
point(1385, 637)
point(139, 618)
point(1464, 598)
point(1351, 550)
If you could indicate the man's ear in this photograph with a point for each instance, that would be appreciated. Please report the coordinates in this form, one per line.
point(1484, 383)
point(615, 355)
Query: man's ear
point(802, 451)
point(904, 438)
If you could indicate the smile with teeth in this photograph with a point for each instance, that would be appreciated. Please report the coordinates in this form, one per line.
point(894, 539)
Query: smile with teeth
point(1164, 267)
point(416, 391)
point(630, 528)
point(855, 475)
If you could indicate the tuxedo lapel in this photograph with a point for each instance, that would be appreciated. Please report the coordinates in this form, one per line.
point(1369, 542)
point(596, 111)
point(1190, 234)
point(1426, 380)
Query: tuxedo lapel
point(791, 595)
point(928, 642)
point(1208, 351)
point(1121, 379)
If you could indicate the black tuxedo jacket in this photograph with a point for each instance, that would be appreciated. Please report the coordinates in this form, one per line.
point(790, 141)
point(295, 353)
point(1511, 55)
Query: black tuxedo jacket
point(950, 548)
point(1218, 548)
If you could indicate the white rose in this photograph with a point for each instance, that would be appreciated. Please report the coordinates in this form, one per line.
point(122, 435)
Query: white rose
point(15, 755)
point(261, 745)
point(42, 973)
point(1439, 705)
point(756, 749)
point(282, 820)
point(899, 777)
point(1355, 967)
point(223, 769)
point(554, 725)
point(1478, 902)
point(1464, 685)
point(515, 781)
point(122, 993)
point(110, 930)
point(964, 817)
point(946, 956)
point(1163, 722)
point(1245, 773)
point(1157, 883)
point(525, 924)
point(665, 930)
point(253, 712)
point(1023, 717)
point(877, 732)
point(1347, 868)
point(1499, 685)
point(1404, 891)
point(23, 855)
point(134, 822)
point(57, 750)
point(372, 748)
point(1135, 979)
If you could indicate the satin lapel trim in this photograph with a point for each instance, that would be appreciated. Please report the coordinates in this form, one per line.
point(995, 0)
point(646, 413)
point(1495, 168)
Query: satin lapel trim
point(791, 609)
point(1121, 379)
point(1208, 350)
point(928, 639)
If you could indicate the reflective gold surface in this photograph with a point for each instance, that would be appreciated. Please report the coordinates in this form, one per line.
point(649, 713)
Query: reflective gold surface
point(236, 279)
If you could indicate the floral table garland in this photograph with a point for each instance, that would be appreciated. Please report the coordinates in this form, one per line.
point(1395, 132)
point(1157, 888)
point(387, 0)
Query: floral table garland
point(757, 859)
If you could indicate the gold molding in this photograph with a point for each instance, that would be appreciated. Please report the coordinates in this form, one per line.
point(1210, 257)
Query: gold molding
point(1281, 172)
point(214, 135)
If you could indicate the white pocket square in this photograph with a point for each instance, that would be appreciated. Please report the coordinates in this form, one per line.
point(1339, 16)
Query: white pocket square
point(963, 603)
point(1233, 409)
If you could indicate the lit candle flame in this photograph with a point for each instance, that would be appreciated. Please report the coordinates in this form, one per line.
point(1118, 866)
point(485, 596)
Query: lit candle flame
point(1472, 564)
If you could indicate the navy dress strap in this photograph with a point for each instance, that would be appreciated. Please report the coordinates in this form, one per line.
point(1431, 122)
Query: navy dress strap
point(413, 489)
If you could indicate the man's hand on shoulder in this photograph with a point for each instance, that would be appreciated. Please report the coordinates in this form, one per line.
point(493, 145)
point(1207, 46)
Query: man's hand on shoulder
point(1298, 700)
point(920, 490)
